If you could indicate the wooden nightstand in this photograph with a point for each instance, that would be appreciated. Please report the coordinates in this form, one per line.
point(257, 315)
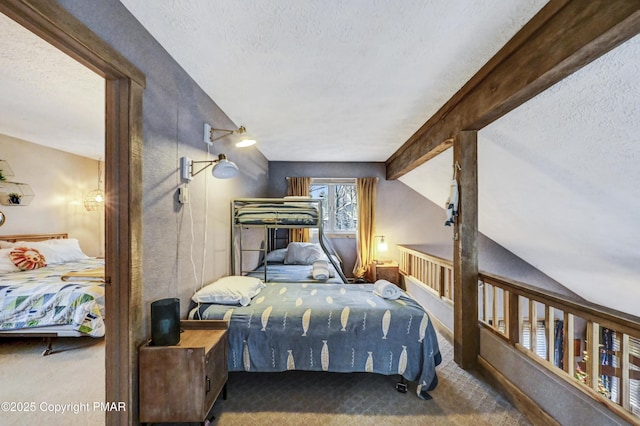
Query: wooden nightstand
point(181, 383)
point(387, 270)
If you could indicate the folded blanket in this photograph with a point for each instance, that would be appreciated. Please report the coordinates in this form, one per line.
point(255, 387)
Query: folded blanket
point(320, 270)
point(386, 289)
point(96, 274)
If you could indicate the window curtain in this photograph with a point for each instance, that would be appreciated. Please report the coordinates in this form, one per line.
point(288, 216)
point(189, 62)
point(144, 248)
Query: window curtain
point(366, 188)
point(298, 186)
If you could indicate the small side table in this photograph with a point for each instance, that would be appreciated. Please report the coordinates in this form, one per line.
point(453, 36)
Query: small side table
point(387, 270)
point(181, 383)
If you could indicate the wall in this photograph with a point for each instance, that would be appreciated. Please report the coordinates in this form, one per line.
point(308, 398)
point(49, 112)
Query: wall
point(183, 246)
point(59, 181)
point(405, 217)
point(396, 205)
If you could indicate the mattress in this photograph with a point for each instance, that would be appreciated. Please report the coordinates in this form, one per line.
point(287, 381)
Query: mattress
point(330, 327)
point(276, 213)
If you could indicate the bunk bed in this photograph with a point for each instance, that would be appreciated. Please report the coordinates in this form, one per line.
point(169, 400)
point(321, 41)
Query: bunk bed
point(272, 214)
point(64, 298)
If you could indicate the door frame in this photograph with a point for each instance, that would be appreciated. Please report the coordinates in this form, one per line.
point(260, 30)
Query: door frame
point(123, 187)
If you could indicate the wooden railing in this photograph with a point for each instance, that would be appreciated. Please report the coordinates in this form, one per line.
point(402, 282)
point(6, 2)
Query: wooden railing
point(596, 349)
point(433, 271)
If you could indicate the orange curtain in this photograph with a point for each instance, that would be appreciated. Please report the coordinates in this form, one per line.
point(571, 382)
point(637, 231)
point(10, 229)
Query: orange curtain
point(298, 186)
point(366, 188)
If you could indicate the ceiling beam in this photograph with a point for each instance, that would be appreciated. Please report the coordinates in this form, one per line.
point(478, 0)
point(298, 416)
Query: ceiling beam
point(562, 38)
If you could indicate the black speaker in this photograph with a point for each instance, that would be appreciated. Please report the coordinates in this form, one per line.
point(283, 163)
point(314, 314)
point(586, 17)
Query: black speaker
point(165, 322)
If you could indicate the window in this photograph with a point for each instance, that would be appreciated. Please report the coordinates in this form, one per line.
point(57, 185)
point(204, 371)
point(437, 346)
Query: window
point(339, 204)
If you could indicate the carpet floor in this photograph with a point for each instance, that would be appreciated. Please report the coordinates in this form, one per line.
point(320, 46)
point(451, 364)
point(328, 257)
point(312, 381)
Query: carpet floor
point(316, 398)
point(39, 387)
point(74, 373)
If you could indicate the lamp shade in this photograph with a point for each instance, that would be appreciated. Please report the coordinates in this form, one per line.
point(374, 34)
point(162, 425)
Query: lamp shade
point(245, 142)
point(382, 245)
point(224, 169)
point(94, 200)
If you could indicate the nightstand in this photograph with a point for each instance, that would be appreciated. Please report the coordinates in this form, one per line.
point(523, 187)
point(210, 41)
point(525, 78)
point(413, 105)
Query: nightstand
point(387, 270)
point(181, 383)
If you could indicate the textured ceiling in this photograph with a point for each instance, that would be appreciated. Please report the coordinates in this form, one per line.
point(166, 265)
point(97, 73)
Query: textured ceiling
point(352, 80)
point(46, 97)
point(332, 80)
point(559, 180)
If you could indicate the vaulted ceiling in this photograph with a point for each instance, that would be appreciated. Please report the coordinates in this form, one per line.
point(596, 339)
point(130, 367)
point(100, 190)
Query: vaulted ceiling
point(353, 80)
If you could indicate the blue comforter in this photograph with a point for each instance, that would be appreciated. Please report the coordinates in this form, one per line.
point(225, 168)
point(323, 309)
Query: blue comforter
point(330, 327)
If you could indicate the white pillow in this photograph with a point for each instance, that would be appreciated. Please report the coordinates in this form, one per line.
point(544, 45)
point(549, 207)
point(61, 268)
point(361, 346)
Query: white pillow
point(231, 290)
point(303, 254)
point(6, 244)
point(6, 264)
point(277, 256)
point(54, 251)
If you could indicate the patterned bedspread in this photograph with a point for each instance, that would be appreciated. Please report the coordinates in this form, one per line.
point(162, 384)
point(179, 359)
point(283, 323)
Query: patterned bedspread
point(330, 327)
point(40, 298)
point(285, 273)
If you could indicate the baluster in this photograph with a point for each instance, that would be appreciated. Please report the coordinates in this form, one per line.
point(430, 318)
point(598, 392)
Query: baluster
point(485, 303)
point(625, 394)
point(505, 311)
point(593, 349)
point(533, 326)
point(569, 356)
point(494, 303)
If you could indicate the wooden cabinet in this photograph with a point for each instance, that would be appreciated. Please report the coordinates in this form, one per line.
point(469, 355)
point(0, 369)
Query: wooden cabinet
point(387, 270)
point(181, 383)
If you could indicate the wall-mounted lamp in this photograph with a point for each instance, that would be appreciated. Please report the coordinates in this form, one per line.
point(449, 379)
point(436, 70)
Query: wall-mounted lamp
point(210, 135)
point(222, 168)
point(380, 245)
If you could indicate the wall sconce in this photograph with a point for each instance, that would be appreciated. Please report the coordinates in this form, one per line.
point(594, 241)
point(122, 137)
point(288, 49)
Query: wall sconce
point(222, 168)
point(380, 246)
point(94, 200)
point(210, 136)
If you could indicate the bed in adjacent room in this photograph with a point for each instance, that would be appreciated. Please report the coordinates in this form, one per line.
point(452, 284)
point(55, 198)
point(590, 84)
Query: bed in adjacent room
point(326, 327)
point(49, 288)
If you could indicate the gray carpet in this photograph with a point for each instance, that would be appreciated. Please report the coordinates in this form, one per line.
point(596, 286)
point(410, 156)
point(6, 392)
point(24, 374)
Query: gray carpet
point(314, 398)
point(75, 373)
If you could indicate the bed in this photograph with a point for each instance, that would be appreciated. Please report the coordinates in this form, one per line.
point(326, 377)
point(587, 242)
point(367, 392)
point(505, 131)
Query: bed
point(272, 214)
point(329, 327)
point(298, 263)
point(65, 298)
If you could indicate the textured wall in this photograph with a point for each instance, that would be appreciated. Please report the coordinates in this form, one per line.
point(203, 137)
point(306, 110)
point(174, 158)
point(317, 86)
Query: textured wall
point(407, 218)
point(174, 111)
point(59, 181)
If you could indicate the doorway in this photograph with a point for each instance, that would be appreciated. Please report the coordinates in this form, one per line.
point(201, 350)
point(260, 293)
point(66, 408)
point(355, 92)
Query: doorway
point(123, 215)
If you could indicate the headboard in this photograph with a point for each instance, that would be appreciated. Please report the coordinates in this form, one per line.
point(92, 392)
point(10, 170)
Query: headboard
point(33, 237)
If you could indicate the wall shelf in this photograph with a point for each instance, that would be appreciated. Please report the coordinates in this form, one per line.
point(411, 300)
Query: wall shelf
point(6, 170)
point(15, 193)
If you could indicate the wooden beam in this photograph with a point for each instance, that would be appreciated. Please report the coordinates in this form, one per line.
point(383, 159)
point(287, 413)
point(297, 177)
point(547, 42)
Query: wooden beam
point(465, 254)
point(562, 38)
